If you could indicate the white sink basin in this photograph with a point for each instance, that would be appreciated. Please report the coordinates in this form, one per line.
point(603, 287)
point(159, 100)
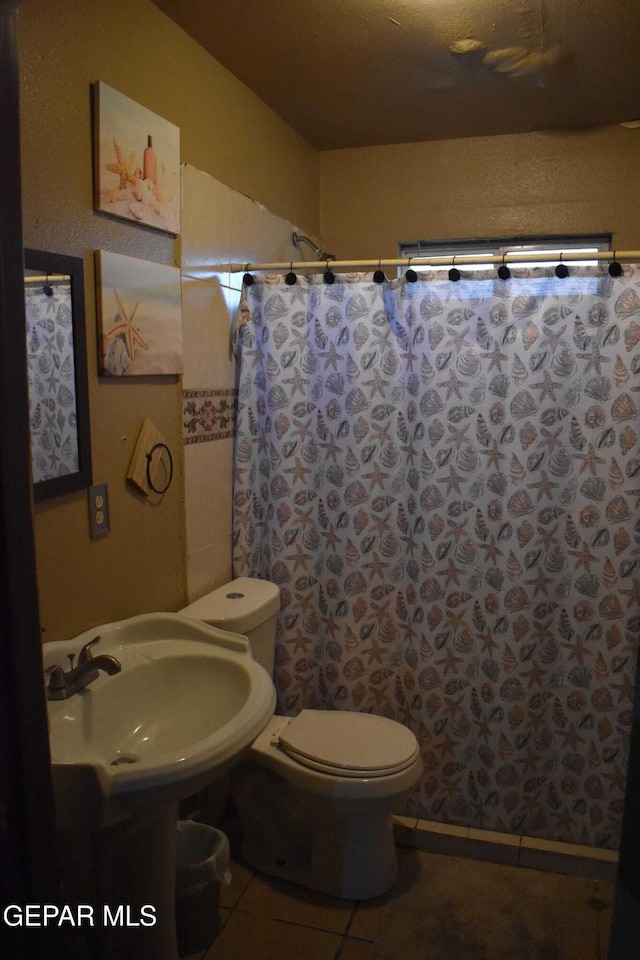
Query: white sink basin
point(188, 701)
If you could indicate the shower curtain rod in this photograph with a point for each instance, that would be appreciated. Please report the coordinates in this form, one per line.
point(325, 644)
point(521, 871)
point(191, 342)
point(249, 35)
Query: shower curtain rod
point(343, 266)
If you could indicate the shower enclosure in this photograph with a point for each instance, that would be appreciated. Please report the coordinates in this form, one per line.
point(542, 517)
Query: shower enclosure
point(443, 479)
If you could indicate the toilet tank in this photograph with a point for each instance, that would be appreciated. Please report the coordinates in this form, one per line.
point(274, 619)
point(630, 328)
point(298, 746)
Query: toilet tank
point(247, 606)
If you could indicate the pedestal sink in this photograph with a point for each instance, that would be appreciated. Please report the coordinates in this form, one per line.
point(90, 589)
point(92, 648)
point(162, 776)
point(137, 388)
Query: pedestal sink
point(187, 702)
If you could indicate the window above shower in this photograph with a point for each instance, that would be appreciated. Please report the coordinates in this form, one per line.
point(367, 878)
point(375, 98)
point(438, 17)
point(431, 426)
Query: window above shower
point(563, 245)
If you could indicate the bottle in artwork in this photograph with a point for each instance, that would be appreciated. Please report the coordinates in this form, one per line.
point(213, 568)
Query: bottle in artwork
point(149, 163)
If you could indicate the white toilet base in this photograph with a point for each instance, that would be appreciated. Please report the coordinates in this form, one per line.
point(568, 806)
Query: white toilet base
point(345, 850)
point(350, 859)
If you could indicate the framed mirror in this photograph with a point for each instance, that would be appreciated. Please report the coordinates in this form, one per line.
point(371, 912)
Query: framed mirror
point(57, 368)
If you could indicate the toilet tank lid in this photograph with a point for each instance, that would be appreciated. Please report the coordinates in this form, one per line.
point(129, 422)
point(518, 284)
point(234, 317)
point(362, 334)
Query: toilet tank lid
point(238, 606)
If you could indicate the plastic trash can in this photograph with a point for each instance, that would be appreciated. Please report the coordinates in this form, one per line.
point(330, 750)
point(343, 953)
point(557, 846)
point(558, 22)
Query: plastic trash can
point(202, 864)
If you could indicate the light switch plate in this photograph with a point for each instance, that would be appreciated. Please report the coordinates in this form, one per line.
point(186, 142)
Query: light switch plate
point(98, 510)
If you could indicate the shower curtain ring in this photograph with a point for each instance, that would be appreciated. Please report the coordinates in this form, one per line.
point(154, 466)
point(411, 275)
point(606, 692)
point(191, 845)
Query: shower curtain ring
point(454, 273)
point(329, 276)
point(503, 271)
point(290, 278)
point(410, 276)
point(379, 276)
point(615, 268)
point(562, 270)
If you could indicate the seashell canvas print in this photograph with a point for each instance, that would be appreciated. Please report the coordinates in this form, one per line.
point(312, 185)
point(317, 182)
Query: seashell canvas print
point(459, 552)
point(136, 165)
point(139, 317)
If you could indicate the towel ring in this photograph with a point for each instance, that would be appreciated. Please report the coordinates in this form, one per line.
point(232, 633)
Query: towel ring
point(149, 455)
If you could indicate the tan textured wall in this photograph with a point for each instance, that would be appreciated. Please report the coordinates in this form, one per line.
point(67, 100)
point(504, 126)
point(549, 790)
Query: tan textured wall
point(535, 183)
point(64, 46)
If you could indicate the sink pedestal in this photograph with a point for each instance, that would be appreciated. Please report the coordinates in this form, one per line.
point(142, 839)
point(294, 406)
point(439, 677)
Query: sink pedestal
point(136, 867)
point(125, 868)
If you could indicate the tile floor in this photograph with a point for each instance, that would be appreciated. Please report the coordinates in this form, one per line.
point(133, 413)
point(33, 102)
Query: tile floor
point(443, 908)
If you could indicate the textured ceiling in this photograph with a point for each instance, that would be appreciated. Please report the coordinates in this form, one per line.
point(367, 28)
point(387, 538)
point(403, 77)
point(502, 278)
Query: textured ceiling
point(347, 73)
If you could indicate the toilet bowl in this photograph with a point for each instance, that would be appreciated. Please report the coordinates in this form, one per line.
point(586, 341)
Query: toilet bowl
point(314, 792)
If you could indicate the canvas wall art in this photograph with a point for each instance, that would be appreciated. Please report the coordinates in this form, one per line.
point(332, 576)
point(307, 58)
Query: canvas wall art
point(139, 316)
point(136, 162)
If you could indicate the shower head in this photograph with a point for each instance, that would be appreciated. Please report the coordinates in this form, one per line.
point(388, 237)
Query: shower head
point(298, 238)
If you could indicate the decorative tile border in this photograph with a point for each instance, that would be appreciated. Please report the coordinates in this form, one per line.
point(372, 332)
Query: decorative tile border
point(208, 415)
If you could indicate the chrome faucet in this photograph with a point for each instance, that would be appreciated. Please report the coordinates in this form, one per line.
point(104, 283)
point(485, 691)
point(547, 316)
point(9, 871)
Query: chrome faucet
point(63, 684)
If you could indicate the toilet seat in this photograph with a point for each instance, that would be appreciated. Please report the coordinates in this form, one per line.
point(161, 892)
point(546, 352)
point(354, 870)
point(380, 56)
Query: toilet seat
point(346, 744)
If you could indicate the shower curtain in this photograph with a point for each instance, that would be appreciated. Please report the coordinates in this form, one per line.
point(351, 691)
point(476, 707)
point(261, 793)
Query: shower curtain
point(443, 479)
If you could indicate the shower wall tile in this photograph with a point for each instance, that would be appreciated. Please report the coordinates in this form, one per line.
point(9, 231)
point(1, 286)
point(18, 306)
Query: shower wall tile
point(445, 829)
point(256, 235)
point(220, 226)
point(529, 852)
point(572, 858)
point(208, 568)
point(492, 846)
point(208, 477)
point(441, 837)
point(232, 296)
point(225, 226)
point(206, 218)
point(207, 336)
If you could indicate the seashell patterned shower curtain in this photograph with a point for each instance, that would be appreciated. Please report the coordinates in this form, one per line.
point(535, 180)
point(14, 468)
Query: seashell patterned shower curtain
point(443, 479)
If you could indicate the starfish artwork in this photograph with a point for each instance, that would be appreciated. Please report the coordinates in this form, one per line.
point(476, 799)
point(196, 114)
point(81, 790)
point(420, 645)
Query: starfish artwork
point(125, 169)
point(124, 326)
point(139, 316)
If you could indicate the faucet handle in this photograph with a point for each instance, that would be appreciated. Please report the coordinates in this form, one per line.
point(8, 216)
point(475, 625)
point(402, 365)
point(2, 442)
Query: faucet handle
point(56, 677)
point(85, 653)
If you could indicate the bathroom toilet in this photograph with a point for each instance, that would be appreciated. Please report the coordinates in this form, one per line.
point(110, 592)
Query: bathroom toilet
point(314, 792)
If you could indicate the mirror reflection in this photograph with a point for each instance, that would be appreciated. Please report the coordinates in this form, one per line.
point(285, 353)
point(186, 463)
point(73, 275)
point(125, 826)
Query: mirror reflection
point(57, 373)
